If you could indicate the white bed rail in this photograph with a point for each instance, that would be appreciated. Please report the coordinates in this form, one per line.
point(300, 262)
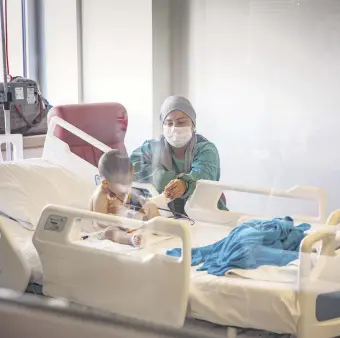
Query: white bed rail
point(151, 287)
point(202, 205)
point(15, 273)
point(319, 280)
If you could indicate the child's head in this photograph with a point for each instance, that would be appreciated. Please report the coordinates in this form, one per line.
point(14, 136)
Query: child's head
point(116, 168)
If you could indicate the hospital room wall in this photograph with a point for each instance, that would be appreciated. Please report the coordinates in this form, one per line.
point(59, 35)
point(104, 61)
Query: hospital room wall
point(117, 60)
point(264, 78)
point(59, 57)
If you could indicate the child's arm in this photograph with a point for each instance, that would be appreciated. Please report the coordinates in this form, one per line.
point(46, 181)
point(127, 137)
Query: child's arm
point(100, 201)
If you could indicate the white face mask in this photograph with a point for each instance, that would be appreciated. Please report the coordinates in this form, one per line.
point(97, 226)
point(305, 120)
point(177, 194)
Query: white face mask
point(177, 136)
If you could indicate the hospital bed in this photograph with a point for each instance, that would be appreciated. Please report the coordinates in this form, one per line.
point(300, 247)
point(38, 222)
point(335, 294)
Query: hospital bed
point(73, 269)
point(86, 275)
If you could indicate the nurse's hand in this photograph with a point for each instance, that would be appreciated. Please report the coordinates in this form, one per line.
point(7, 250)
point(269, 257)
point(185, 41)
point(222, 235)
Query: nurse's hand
point(175, 189)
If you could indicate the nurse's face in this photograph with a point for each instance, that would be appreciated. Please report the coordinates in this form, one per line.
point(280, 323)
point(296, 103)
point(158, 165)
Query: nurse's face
point(177, 119)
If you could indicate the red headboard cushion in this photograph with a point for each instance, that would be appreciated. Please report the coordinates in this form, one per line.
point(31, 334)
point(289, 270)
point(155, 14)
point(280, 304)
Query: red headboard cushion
point(106, 122)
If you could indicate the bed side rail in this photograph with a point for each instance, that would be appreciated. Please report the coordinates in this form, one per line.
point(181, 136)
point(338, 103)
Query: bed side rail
point(142, 284)
point(202, 205)
point(319, 283)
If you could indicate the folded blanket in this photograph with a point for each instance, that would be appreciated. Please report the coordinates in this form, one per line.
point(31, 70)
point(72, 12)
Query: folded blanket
point(250, 245)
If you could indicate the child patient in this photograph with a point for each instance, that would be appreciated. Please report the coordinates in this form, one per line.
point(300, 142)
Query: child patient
point(113, 195)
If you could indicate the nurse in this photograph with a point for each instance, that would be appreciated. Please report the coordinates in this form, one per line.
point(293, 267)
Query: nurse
point(179, 158)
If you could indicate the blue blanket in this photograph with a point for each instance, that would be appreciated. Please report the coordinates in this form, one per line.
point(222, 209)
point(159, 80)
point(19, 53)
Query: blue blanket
point(249, 246)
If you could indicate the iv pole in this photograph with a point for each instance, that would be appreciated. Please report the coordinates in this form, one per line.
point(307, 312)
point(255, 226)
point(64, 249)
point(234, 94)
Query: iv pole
point(6, 104)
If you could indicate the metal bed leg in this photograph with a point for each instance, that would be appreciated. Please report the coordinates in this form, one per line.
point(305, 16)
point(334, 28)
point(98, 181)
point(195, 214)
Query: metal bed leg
point(231, 332)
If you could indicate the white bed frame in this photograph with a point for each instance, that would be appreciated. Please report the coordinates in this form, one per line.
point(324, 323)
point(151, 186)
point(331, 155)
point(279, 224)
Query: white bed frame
point(202, 207)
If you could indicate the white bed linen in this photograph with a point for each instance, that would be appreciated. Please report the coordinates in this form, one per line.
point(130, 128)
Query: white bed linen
point(230, 300)
point(27, 186)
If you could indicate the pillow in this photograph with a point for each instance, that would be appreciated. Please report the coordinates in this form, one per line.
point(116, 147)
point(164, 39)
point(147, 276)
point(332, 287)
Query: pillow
point(27, 186)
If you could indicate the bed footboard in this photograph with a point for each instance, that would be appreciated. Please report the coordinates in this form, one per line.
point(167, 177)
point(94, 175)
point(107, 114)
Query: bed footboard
point(151, 287)
point(15, 273)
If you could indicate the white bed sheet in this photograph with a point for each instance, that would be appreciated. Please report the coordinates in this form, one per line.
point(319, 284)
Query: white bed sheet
point(231, 300)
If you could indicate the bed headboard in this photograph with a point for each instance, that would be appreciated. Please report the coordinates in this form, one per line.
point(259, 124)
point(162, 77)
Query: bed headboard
point(58, 152)
point(106, 121)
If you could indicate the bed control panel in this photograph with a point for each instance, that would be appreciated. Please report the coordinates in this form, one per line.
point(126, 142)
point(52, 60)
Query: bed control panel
point(55, 223)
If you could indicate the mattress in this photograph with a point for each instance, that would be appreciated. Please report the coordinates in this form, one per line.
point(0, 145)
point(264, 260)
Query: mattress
point(229, 300)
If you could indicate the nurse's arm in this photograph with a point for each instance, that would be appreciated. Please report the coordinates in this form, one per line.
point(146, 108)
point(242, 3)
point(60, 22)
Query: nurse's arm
point(205, 166)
